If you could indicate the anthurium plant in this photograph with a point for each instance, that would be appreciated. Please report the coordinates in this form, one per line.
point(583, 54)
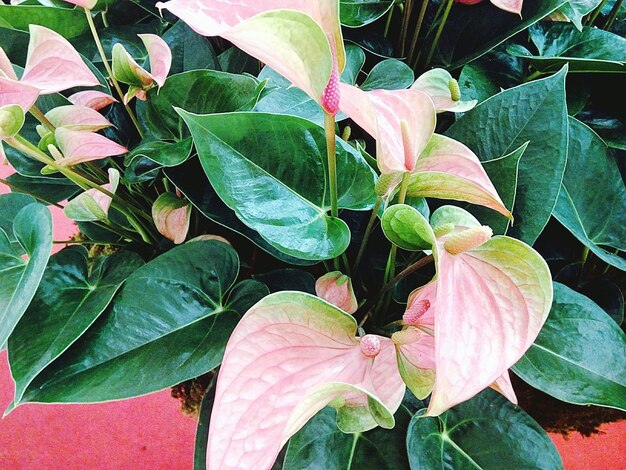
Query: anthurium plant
point(369, 223)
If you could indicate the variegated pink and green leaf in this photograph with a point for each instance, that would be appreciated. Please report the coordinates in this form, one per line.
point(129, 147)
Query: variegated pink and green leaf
point(171, 215)
point(444, 90)
point(78, 118)
point(93, 205)
point(92, 99)
point(82, 146)
point(291, 355)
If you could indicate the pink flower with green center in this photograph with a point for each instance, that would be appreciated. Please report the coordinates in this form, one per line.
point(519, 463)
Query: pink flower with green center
point(299, 39)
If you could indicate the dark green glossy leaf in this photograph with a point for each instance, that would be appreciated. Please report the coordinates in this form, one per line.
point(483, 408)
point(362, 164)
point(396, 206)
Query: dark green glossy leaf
point(580, 354)
point(589, 50)
point(371, 42)
point(610, 129)
point(271, 170)
point(503, 173)
point(198, 91)
point(190, 51)
point(592, 201)
point(25, 244)
point(485, 77)
point(390, 74)
point(68, 23)
point(48, 190)
point(68, 301)
point(234, 60)
point(190, 179)
point(608, 296)
point(288, 279)
point(164, 153)
point(575, 10)
point(485, 432)
point(141, 170)
point(506, 121)
point(170, 322)
point(357, 13)
point(320, 444)
point(473, 30)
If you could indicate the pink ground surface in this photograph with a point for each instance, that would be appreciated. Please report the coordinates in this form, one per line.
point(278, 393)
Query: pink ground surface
point(149, 432)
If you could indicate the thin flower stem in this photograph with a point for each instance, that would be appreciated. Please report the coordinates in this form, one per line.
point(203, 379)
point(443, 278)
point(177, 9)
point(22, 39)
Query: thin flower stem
point(366, 235)
point(416, 33)
point(331, 153)
point(387, 287)
point(405, 25)
point(439, 31)
point(36, 112)
point(595, 13)
point(388, 24)
point(532, 76)
point(103, 56)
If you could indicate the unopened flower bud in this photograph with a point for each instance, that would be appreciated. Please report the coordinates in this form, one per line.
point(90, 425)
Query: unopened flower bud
point(336, 288)
point(11, 120)
point(171, 217)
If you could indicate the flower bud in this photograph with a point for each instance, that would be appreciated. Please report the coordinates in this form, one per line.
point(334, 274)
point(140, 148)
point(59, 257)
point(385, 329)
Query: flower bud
point(11, 120)
point(171, 217)
point(336, 288)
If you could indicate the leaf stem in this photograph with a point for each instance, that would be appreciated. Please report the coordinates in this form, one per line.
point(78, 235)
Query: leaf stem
point(416, 33)
point(408, 9)
point(105, 62)
point(41, 117)
point(439, 31)
point(611, 19)
point(595, 13)
point(388, 24)
point(366, 235)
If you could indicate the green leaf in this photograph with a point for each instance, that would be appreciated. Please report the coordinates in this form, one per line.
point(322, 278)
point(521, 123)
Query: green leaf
point(190, 51)
point(197, 91)
point(50, 190)
point(163, 153)
point(505, 122)
point(321, 444)
point(68, 301)
point(357, 13)
point(580, 354)
point(589, 50)
point(170, 322)
point(473, 31)
point(481, 433)
point(407, 228)
point(390, 74)
point(25, 244)
point(190, 179)
point(271, 170)
point(68, 23)
point(592, 201)
point(575, 10)
point(503, 173)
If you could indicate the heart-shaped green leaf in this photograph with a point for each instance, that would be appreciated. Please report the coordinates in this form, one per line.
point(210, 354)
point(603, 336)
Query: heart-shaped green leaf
point(457, 439)
point(197, 91)
point(321, 444)
point(390, 74)
point(407, 228)
point(580, 354)
point(589, 50)
point(169, 323)
point(575, 10)
point(508, 120)
point(164, 153)
point(595, 216)
point(68, 23)
point(357, 13)
point(68, 301)
point(271, 170)
point(25, 244)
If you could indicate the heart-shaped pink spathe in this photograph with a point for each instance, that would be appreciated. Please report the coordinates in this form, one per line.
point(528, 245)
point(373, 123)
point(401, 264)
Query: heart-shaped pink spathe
point(291, 355)
point(264, 29)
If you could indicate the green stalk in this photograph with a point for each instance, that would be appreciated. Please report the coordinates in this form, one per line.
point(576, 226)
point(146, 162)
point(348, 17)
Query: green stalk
point(366, 235)
point(116, 85)
point(611, 19)
point(388, 24)
point(405, 26)
point(331, 153)
point(418, 29)
point(36, 112)
point(439, 31)
point(595, 13)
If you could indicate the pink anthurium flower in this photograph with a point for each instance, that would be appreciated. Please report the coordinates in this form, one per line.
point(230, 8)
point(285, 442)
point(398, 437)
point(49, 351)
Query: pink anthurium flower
point(126, 70)
point(93, 205)
point(444, 90)
point(52, 65)
point(92, 99)
point(336, 288)
point(78, 118)
point(486, 306)
point(81, 146)
point(171, 215)
point(291, 355)
point(513, 6)
point(299, 39)
point(403, 124)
